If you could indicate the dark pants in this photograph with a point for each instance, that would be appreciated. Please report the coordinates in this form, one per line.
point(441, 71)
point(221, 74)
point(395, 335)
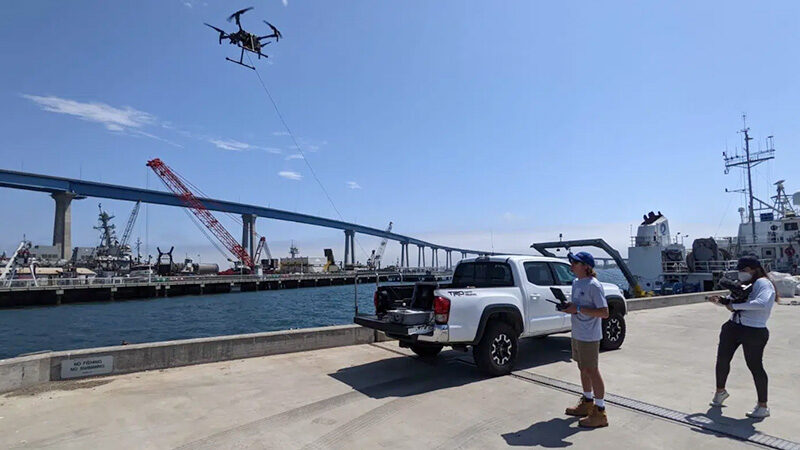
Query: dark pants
point(753, 340)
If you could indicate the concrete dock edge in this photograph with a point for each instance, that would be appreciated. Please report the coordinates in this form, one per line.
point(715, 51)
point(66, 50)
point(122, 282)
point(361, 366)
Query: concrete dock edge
point(25, 371)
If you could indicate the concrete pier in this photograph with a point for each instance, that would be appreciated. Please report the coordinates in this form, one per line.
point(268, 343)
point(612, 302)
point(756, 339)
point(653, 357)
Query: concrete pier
point(379, 395)
point(58, 290)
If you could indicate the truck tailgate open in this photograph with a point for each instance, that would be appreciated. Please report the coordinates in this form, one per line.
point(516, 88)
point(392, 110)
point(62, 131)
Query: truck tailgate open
point(396, 329)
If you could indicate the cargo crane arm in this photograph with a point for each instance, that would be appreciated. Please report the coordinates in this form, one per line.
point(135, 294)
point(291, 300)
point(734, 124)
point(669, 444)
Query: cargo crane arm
point(126, 235)
point(375, 259)
point(174, 183)
point(634, 288)
point(8, 271)
point(262, 245)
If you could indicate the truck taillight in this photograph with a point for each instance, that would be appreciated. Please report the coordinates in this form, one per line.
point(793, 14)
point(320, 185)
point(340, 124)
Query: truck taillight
point(441, 310)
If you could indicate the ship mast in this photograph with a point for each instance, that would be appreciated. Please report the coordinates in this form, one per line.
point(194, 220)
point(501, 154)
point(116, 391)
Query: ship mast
point(747, 139)
point(747, 162)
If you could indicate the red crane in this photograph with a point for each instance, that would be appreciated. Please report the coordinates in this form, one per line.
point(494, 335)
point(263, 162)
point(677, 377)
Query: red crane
point(179, 188)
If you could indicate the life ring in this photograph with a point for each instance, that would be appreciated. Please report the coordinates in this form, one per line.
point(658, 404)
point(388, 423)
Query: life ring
point(789, 251)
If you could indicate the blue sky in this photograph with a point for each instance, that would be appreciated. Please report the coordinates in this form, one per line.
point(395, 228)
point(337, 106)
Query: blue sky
point(476, 124)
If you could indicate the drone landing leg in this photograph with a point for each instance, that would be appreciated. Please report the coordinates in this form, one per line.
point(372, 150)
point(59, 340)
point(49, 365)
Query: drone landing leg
point(240, 62)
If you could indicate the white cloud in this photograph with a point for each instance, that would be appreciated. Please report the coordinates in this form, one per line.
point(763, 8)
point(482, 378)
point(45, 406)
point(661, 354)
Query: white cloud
point(152, 136)
point(285, 2)
point(295, 156)
point(353, 185)
point(230, 144)
point(133, 122)
point(188, 4)
point(114, 119)
point(289, 175)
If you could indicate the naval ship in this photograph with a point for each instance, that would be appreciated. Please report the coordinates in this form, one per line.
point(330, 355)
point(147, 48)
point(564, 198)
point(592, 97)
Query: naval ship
point(770, 230)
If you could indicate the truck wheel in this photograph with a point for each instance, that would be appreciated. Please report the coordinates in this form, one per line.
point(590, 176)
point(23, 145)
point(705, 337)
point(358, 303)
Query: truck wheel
point(613, 332)
point(496, 352)
point(426, 350)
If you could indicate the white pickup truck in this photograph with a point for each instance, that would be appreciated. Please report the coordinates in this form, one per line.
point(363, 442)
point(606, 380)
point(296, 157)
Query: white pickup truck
point(490, 304)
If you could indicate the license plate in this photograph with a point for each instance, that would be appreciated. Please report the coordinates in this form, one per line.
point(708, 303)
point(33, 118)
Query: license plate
point(420, 329)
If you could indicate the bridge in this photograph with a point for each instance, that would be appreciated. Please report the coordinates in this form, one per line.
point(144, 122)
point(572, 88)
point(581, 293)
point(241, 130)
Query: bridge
point(64, 190)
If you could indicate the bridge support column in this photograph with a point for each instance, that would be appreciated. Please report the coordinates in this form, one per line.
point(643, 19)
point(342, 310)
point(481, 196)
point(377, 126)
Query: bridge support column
point(349, 247)
point(245, 231)
point(449, 259)
point(422, 250)
point(402, 255)
point(353, 248)
point(419, 256)
point(62, 226)
point(249, 233)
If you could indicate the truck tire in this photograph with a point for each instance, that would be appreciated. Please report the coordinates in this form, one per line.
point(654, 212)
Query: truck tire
point(613, 332)
point(496, 352)
point(426, 350)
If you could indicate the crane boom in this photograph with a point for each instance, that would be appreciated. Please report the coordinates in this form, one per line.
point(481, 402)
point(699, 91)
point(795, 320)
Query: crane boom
point(262, 245)
point(375, 259)
point(126, 235)
point(179, 188)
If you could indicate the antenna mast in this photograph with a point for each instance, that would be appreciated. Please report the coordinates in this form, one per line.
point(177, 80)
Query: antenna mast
point(747, 162)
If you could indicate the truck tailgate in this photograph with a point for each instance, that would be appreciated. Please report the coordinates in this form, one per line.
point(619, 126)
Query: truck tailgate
point(396, 329)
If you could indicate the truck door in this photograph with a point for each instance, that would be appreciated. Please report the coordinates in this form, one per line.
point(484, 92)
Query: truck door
point(541, 316)
point(563, 280)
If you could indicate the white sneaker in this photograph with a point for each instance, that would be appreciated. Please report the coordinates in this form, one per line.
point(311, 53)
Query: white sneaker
point(759, 412)
point(719, 397)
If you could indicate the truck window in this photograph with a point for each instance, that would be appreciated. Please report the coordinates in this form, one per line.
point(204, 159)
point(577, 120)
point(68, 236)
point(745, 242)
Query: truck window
point(482, 274)
point(564, 275)
point(539, 273)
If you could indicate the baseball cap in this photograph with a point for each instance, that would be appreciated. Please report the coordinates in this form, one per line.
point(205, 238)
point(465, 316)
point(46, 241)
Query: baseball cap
point(584, 257)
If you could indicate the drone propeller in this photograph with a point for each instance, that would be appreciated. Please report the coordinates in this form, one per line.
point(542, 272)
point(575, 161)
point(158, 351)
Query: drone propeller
point(275, 33)
point(222, 33)
point(237, 14)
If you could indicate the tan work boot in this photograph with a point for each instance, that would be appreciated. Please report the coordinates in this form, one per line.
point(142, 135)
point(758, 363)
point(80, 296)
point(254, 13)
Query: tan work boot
point(595, 419)
point(582, 409)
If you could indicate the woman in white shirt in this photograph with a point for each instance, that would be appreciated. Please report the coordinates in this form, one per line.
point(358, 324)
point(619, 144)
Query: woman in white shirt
point(747, 327)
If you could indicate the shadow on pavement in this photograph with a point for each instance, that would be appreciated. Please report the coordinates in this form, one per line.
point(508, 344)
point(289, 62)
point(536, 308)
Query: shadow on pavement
point(727, 426)
point(549, 434)
point(405, 376)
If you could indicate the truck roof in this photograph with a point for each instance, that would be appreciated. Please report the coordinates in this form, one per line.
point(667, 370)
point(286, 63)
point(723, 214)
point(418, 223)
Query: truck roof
point(515, 258)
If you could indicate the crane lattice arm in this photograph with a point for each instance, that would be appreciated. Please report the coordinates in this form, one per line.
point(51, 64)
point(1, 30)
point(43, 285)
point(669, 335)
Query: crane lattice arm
point(375, 259)
point(262, 245)
point(179, 188)
point(126, 235)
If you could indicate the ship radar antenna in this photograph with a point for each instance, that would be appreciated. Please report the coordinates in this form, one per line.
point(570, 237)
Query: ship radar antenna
point(747, 162)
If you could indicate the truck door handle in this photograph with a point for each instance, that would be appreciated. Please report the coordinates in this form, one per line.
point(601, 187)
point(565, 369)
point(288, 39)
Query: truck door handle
point(535, 296)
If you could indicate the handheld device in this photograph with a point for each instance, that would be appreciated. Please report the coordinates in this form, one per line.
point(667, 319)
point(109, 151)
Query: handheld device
point(562, 299)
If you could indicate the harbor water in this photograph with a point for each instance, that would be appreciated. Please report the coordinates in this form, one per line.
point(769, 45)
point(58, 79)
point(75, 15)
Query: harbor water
point(87, 325)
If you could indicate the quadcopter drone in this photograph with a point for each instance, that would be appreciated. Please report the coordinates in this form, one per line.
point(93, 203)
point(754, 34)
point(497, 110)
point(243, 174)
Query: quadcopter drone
point(246, 40)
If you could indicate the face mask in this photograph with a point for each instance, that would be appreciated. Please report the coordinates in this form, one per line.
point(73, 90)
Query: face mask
point(744, 277)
